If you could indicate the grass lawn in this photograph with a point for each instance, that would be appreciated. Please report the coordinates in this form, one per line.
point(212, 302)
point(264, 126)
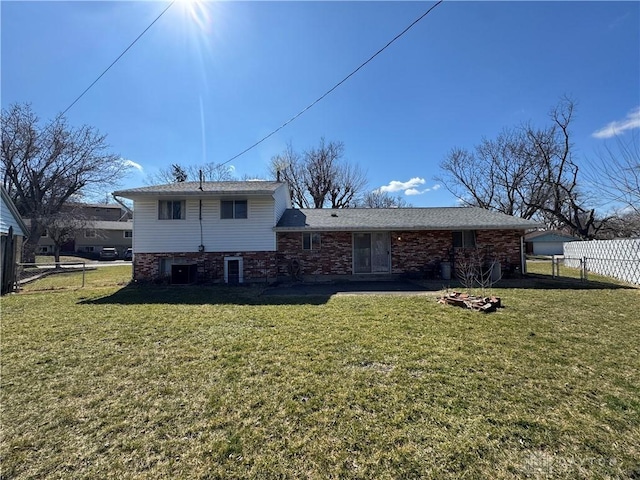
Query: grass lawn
point(114, 381)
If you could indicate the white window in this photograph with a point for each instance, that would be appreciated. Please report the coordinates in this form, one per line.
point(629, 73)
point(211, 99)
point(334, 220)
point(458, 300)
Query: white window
point(128, 234)
point(89, 234)
point(171, 210)
point(311, 241)
point(464, 239)
point(233, 209)
point(44, 249)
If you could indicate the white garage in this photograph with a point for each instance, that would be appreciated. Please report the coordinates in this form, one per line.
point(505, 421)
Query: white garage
point(547, 242)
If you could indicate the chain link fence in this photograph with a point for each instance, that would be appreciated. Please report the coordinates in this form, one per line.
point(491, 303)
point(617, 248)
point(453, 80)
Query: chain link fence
point(612, 258)
point(50, 276)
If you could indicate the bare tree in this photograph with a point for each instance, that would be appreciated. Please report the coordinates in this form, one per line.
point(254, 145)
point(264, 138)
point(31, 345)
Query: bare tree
point(379, 199)
point(348, 182)
point(288, 167)
point(63, 226)
point(624, 224)
point(526, 171)
point(45, 167)
point(320, 176)
point(615, 173)
point(211, 172)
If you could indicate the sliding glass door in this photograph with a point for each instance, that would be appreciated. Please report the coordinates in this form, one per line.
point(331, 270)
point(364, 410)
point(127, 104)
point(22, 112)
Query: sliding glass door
point(371, 252)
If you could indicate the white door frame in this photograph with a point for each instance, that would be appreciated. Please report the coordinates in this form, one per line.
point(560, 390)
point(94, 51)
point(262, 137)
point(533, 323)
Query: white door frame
point(226, 269)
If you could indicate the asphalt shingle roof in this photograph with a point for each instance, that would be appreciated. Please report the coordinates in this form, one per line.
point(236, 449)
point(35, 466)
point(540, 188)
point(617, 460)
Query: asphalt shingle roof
point(436, 218)
point(211, 188)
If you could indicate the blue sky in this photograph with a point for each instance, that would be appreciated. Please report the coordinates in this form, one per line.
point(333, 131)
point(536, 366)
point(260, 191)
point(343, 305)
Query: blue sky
point(210, 79)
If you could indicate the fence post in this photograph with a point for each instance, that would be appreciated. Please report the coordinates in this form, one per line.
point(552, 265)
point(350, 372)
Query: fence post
point(584, 268)
point(553, 266)
point(83, 270)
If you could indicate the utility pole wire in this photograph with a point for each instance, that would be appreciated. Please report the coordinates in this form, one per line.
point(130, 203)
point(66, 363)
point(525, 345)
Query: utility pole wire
point(336, 85)
point(116, 60)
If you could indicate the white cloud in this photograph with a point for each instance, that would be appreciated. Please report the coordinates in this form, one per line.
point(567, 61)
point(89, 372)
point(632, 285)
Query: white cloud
point(131, 163)
point(631, 121)
point(409, 187)
point(397, 186)
point(415, 191)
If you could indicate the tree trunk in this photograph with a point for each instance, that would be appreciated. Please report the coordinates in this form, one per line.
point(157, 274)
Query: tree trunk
point(30, 246)
point(56, 255)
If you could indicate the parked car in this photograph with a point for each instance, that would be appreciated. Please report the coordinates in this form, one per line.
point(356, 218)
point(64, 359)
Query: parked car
point(109, 253)
point(128, 254)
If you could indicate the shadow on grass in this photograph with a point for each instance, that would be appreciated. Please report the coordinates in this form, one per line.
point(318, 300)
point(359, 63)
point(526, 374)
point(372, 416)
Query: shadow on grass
point(290, 294)
point(199, 295)
point(318, 293)
point(547, 282)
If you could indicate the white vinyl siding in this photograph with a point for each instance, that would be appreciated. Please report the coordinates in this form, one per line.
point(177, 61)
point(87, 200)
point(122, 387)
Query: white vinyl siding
point(282, 202)
point(254, 234)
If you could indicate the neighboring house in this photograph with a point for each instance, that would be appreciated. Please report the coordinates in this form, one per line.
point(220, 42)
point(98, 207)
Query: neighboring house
point(238, 232)
point(12, 233)
point(547, 242)
point(107, 225)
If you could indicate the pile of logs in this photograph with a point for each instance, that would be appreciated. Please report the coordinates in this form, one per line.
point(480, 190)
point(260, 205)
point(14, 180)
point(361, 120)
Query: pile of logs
point(464, 300)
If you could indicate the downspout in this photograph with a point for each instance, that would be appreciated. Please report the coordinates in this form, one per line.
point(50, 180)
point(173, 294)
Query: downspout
point(201, 246)
point(523, 260)
point(124, 205)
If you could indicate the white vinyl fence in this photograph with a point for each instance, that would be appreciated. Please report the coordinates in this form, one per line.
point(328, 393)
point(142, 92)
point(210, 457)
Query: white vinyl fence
point(614, 258)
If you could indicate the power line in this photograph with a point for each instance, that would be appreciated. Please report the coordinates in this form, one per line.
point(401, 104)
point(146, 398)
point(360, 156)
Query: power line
point(336, 85)
point(116, 60)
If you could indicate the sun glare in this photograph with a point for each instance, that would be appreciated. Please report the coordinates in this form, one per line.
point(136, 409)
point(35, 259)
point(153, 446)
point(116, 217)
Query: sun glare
point(197, 11)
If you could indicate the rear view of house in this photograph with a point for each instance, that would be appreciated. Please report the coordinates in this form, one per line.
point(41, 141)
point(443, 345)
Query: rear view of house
point(236, 232)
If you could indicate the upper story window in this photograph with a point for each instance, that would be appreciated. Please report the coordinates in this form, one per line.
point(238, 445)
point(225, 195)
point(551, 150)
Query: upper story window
point(311, 241)
point(171, 210)
point(464, 239)
point(89, 234)
point(128, 234)
point(233, 209)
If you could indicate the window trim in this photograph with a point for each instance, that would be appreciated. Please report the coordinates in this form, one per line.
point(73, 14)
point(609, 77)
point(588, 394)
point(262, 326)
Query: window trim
point(124, 234)
point(234, 209)
point(183, 209)
point(463, 236)
point(315, 241)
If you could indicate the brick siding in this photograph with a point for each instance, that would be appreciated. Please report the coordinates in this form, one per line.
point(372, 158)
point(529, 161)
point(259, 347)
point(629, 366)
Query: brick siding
point(257, 266)
point(411, 251)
